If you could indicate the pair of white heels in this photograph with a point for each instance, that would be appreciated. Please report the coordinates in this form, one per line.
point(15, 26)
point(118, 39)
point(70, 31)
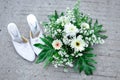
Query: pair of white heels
point(21, 44)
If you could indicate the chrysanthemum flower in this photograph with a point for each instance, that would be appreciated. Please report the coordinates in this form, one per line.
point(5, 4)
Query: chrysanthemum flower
point(57, 44)
point(78, 44)
point(70, 29)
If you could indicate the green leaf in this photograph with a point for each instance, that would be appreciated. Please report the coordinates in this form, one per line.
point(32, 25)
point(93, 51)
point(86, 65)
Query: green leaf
point(87, 67)
point(90, 22)
point(88, 71)
point(44, 24)
point(44, 54)
point(81, 69)
point(47, 42)
point(103, 36)
point(77, 4)
point(90, 61)
point(92, 67)
point(48, 61)
point(98, 28)
point(76, 65)
point(49, 39)
point(89, 49)
point(62, 14)
point(41, 46)
point(102, 30)
point(77, 13)
point(90, 55)
point(41, 57)
point(96, 23)
point(49, 57)
point(51, 17)
point(56, 15)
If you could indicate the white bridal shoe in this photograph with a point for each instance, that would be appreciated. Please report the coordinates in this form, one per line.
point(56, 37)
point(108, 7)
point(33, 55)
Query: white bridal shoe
point(20, 43)
point(35, 32)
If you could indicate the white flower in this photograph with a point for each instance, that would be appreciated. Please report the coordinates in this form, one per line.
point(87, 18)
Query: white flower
point(66, 55)
point(65, 70)
point(80, 37)
point(57, 44)
point(76, 56)
point(85, 26)
point(64, 60)
point(55, 65)
point(66, 40)
point(63, 20)
point(80, 54)
point(69, 64)
point(59, 30)
point(70, 15)
point(70, 29)
point(60, 53)
point(73, 54)
point(78, 44)
point(91, 31)
point(102, 41)
point(55, 57)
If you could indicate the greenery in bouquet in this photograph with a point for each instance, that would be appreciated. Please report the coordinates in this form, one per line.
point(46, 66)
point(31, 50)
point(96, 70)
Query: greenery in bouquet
point(69, 40)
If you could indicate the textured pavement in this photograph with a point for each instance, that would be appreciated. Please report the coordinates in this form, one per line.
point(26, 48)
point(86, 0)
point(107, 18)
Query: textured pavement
point(13, 67)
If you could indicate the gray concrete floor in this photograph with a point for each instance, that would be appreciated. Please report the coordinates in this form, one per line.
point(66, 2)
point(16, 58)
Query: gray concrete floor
point(13, 67)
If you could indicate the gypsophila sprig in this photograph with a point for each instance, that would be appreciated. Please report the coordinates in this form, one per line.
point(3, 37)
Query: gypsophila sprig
point(69, 40)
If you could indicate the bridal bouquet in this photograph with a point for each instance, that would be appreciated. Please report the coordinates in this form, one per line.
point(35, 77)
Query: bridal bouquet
point(69, 40)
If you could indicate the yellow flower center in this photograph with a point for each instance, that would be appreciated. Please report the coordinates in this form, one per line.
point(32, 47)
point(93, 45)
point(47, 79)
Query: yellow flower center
point(71, 29)
point(77, 43)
